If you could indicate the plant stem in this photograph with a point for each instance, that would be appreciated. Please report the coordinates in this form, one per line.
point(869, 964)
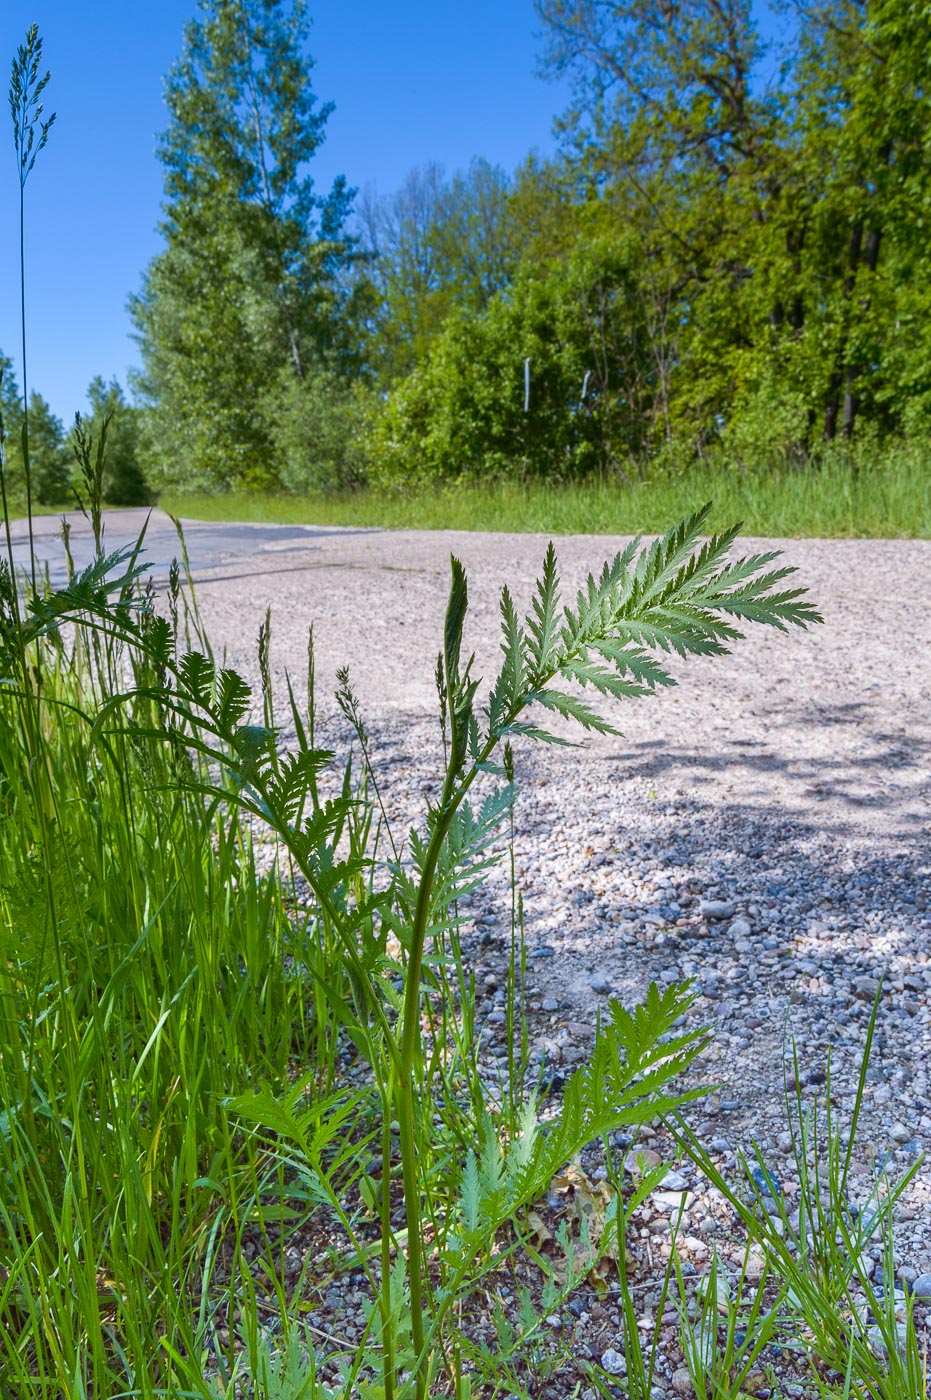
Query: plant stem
point(27, 468)
point(410, 1036)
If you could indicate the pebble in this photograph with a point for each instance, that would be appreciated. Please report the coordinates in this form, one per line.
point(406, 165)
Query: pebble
point(921, 1286)
point(673, 1201)
point(599, 983)
point(614, 1362)
point(716, 909)
point(878, 1343)
point(640, 1160)
point(740, 929)
point(682, 1381)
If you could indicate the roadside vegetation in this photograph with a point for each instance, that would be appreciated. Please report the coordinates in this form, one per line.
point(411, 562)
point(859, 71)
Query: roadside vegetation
point(837, 499)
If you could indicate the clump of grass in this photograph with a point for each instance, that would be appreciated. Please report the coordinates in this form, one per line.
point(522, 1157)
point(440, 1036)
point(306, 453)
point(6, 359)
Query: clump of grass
point(840, 498)
point(856, 1336)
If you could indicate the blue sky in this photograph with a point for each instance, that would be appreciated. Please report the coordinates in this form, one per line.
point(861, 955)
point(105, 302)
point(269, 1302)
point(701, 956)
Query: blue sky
point(413, 81)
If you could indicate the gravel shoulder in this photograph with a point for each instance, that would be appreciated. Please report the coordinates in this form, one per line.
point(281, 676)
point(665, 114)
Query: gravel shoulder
point(789, 782)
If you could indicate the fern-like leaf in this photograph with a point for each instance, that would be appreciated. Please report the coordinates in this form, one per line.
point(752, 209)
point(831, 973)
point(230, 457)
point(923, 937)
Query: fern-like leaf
point(233, 698)
point(542, 623)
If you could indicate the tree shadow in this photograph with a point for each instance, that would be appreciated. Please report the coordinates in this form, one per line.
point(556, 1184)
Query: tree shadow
point(885, 770)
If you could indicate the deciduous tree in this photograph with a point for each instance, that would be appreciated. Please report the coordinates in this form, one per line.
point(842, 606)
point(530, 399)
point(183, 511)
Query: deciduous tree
point(248, 281)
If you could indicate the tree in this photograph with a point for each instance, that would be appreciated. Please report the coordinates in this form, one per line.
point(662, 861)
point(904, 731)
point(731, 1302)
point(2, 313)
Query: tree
point(786, 225)
point(124, 482)
point(11, 413)
point(553, 380)
point(671, 133)
point(249, 279)
point(50, 457)
point(674, 75)
point(863, 95)
point(435, 246)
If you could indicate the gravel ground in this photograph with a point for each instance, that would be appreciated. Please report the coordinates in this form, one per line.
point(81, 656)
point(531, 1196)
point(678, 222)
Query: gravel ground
point(763, 828)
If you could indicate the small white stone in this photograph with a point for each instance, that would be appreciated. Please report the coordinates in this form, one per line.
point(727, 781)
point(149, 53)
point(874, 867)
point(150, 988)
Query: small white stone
point(614, 1362)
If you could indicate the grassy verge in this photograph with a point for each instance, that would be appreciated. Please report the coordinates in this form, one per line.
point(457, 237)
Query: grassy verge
point(836, 501)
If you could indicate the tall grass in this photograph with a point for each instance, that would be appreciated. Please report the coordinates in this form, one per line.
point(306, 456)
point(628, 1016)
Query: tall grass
point(143, 980)
point(836, 499)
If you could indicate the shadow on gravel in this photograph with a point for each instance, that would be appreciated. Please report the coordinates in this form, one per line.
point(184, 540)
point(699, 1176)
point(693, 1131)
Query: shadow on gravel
point(886, 771)
point(209, 544)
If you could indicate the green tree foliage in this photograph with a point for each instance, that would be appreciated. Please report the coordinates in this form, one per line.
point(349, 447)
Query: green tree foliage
point(863, 133)
point(787, 218)
point(49, 455)
point(319, 427)
point(435, 246)
point(11, 412)
point(124, 482)
point(551, 381)
point(730, 265)
point(249, 279)
point(717, 262)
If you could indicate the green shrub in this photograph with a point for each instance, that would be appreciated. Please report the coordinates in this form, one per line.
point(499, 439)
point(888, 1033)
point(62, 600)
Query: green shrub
point(467, 410)
point(318, 427)
point(124, 482)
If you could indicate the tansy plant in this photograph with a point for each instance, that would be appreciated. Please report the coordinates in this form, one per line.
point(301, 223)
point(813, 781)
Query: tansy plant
point(680, 595)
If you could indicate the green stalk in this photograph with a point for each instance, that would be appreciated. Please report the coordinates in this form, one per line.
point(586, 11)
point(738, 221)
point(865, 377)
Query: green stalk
point(410, 1037)
point(27, 468)
point(387, 1326)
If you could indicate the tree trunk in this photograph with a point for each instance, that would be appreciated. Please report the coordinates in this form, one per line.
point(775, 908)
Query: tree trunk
point(845, 374)
point(831, 408)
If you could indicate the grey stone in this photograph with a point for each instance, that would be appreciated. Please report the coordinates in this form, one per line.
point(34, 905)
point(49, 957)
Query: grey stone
point(740, 928)
point(600, 983)
point(613, 1362)
point(716, 909)
point(878, 1342)
point(673, 1201)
